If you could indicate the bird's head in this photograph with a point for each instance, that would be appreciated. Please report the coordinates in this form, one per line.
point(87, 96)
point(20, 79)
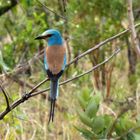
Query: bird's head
point(52, 36)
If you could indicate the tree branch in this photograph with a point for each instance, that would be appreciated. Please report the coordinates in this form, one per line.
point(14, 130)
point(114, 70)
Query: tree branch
point(31, 94)
point(26, 66)
point(101, 44)
point(37, 86)
point(6, 98)
point(134, 39)
point(78, 76)
point(19, 81)
point(51, 10)
point(5, 9)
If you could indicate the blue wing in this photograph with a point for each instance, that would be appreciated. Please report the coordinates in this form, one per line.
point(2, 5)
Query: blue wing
point(65, 62)
point(45, 62)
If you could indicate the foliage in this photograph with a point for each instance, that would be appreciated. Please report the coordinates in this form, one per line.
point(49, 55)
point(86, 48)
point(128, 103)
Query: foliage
point(97, 125)
point(84, 24)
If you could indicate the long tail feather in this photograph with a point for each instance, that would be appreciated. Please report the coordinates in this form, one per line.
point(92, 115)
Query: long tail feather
point(51, 116)
point(53, 96)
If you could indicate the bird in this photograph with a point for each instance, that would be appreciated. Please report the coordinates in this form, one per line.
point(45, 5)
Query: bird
point(55, 61)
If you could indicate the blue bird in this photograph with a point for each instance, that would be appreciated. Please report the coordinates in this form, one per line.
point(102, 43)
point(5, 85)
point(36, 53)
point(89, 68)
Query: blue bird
point(54, 62)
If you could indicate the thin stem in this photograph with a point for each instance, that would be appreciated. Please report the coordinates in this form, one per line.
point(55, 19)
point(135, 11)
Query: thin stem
point(51, 10)
point(31, 94)
point(78, 76)
point(6, 97)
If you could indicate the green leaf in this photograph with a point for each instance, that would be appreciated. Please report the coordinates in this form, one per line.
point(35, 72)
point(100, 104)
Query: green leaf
point(86, 94)
point(3, 66)
point(85, 119)
point(136, 136)
point(97, 98)
point(98, 124)
point(82, 102)
point(89, 135)
point(92, 109)
point(108, 120)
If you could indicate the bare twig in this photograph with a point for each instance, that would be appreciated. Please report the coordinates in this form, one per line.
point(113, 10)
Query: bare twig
point(78, 76)
point(134, 39)
point(26, 66)
point(6, 98)
point(37, 86)
point(101, 44)
point(19, 81)
point(64, 5)
point(51, 10)
point(24, 52)
point(31, 94)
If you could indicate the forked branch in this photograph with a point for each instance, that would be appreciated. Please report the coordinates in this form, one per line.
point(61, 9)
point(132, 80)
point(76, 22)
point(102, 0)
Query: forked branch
point(32, 93)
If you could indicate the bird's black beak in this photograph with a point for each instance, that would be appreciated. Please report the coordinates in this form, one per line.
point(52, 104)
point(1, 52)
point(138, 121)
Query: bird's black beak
point(43, 36)
point(39, 37)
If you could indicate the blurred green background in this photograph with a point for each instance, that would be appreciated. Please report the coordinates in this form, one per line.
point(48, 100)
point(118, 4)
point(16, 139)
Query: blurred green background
point(101, 105)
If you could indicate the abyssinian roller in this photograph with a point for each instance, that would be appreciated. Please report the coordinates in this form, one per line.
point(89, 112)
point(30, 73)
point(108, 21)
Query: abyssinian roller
point(54, 62)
